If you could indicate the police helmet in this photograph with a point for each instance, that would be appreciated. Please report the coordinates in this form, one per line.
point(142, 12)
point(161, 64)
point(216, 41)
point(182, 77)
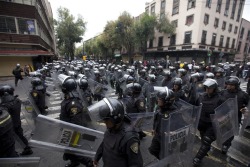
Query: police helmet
point(130, 79)
point(6, 89)
point(233, 80)
point(97, 73)
point(198, 76)
point(135, 87)
point(210, 75)
point(167, 96)
point(159, 68)
point(210, 83)
point(152, 77)
point(111, 109)
point(83, 84)
point(143, 72)
point(69, 85)
point(182, 71)
point(36, 82)
point(18, 65)
point(219, 70)
point(131, 72)
point(177, 81)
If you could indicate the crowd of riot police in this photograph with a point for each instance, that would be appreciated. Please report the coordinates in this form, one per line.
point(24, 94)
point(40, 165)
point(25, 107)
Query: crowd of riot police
point(140, 89)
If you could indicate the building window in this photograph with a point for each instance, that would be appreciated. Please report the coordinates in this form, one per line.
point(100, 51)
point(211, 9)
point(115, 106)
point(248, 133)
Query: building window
point(227, 7)
point(224, 25)
point(188, 36)
point(163, 3)
point(147, 10)
point(236, 29)
point(203, 37)
point(233, 9)
point(216, 22)
point(233, 43)
point(221, 41)
point(175, 23)
point(191, 4)
point(176, 4)
point(150, 43)
point(218, 7)
point(208, 3)
point(152, 9)
point(7, 24)
point(162, 15)
point(230, 27)
point(239, 46)
point(206, 19)
point(227, 42)
point(242, 32)
point(26, 26)
point(239, 11)
point(213, 42)
point(248, 35)
point(172, 40)
point(245, 48)
point(189, 20)
point(160, 41)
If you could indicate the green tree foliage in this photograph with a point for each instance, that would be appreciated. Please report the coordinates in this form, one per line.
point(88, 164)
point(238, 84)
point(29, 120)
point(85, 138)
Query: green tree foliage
point(164, 26)
point(125, 32)
point(69, 31)
point(144, 30)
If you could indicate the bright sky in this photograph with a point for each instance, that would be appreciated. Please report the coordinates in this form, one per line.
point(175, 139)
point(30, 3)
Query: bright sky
point(97, 12)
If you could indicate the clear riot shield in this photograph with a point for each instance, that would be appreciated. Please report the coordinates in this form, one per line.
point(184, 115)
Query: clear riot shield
point(20, 162)
point(142, 121)
point(32, 107)
point(142, 81)
point(178, 135)
point(100, 89)
point(65, 137)
point(245, 123)
point(159, 80)
point(225, 120)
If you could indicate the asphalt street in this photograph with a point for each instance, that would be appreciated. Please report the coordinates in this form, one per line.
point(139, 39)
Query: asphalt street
point(51, 158)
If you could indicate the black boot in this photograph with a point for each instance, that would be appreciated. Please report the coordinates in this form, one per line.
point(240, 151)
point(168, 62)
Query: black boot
point(196, 162)
point(27, 151)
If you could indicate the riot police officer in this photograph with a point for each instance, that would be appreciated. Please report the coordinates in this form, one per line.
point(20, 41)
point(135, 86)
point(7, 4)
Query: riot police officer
point(210, 100)
point(167, 81)
point(177, 89)
point(196, 87)
point(121, 144)
point(85, 92)
point(7, 141)
point(13, 105)
point(233, 90)
point(219, 77)
point(72, 112)
point(166, 105)
point(38, 94)
point(135, 102)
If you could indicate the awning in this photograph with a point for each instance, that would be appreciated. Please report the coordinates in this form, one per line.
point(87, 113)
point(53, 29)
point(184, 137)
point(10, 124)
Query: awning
point(117, 55)
point(25, 53)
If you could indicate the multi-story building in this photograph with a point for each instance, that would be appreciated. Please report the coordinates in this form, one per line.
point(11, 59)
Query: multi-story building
point(26, 34)
point(243, 43)
point(202, 27)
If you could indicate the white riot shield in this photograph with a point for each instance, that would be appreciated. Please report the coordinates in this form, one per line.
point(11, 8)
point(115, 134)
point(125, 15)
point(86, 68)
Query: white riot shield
point(100, 89)
point(20, 162)
point(65, 137)
point(225, 120)
point(178, 135)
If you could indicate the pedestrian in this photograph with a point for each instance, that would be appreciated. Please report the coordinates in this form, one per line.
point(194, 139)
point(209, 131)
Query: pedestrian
point(166, 106)
point(7, 141)
point(72, 112)
point(121, 145)
point(26, 70)
point(13, 104)
point(210, 100)
point(17, 72)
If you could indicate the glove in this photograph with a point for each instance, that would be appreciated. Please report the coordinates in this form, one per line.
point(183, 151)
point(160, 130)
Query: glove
point(244, 110)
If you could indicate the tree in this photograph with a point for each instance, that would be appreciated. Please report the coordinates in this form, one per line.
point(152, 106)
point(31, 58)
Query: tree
point(144, 31)
point(68, 31)
point(125, 32)
point(164, 26)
